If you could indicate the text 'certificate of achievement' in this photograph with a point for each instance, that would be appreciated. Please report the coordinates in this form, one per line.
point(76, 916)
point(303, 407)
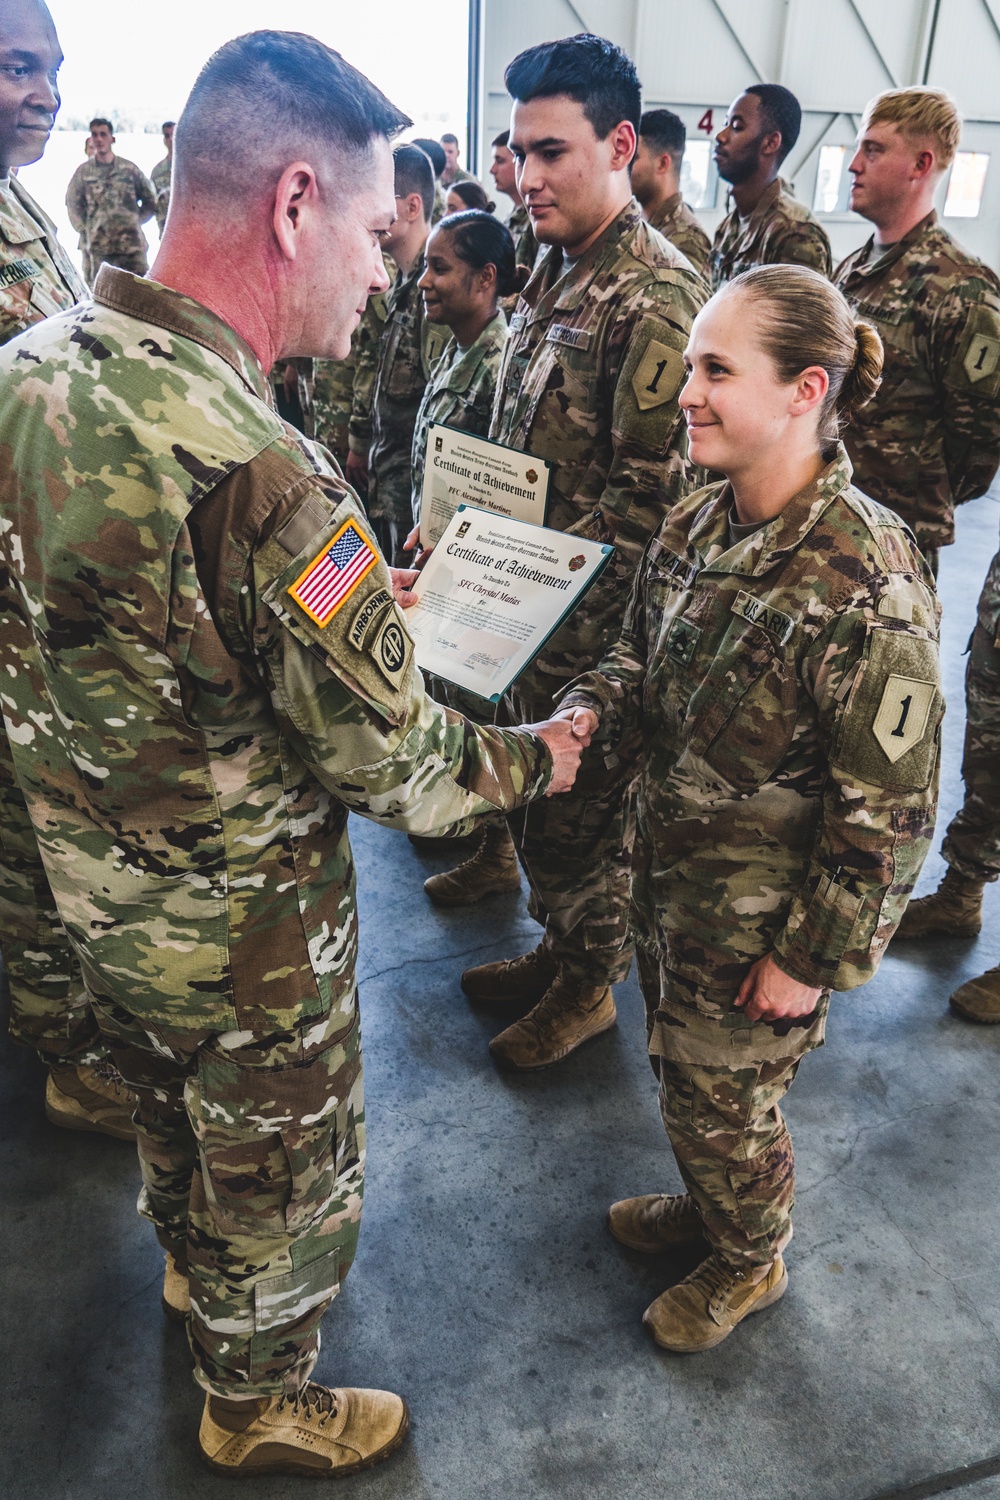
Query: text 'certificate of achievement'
point(492, 593)
point(462, 469)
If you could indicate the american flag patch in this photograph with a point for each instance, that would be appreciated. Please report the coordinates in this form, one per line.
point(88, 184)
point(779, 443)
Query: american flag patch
point(334, 574)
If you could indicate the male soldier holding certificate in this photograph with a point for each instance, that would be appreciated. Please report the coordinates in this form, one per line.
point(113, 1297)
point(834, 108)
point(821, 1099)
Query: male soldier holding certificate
point(590, 379)
point(204, 668)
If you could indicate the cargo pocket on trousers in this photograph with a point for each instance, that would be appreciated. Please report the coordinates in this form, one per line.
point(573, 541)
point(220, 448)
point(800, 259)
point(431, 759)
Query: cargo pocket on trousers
point(764, 1189)
point(284, 1300)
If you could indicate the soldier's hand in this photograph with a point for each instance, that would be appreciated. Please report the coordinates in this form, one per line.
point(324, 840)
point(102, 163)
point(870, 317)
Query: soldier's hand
point(769, 994)
point(357, 473)
point(403, 580)
point(565, 747)
point(412, 542)
point(584, 721)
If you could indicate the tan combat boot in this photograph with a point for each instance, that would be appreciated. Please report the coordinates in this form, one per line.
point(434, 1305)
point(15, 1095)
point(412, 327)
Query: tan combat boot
point(954, 910)
point(176, 1292)
point(319, 1432)
point(91, 1096)
point(979, 999)
point(568, 1014)
point(703, 1309)
point(493, 869)
point(656, 1222)
point(510, 982)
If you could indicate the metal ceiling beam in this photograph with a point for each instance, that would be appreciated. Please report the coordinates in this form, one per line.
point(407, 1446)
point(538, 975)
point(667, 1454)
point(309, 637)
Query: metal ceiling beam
point(761, 77)
point(873, 44)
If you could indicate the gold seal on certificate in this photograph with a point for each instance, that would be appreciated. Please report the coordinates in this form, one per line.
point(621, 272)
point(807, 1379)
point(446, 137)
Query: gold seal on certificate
point(493, 591)
point(461, 469)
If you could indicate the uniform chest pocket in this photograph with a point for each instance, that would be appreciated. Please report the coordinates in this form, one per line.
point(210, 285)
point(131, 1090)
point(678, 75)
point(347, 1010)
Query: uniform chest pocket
point(741, 716)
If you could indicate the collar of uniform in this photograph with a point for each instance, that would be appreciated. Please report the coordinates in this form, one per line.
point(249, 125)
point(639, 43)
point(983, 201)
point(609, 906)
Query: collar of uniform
point(468, 361)
point(138, 297)
point(570, 290)
point(760, 552)
point(895, 252)
point(666, 211)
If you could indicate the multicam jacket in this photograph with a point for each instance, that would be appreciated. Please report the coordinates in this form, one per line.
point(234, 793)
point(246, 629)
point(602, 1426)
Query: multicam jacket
point(459, 393)
point(930, 439)
point(781, 230)
point(407, 350)
point(160, 178)
point(525, 244)
point(786, 693)
point(203, 670)
point(109, 204)
point(589, 381)
point(682, 227)
point(37, 279)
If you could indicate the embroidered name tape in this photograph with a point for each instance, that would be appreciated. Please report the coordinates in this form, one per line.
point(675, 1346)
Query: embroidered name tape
point(334, 574)
point(17, 271)
point(778, 625)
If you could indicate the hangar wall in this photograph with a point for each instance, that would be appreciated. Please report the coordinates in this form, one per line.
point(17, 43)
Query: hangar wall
point(694, 57)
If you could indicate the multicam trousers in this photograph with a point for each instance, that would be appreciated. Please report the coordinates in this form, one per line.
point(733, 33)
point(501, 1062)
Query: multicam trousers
point(252, 1152)
point(49, 1007)
point(576, 852)
point(721, 1081)
point(972, 843)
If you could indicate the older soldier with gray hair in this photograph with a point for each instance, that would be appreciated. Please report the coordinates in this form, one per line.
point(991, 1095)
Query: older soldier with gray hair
point(205, 667)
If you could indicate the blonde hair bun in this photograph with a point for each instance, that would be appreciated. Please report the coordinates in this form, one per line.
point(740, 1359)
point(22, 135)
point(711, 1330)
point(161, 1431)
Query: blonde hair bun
point(865, 375)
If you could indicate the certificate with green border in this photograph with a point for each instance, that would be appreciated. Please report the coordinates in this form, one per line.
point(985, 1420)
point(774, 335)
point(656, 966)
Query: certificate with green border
point(492, 593)
point(462, 469)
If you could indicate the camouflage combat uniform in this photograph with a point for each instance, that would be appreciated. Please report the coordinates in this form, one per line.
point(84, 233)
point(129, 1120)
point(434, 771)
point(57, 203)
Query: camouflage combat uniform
point(784, 690)
point(190, 738)
point(108, 205)
point(972, 843)
point(525, 244)
point(930, 438)
point(781, 230)
point(342, 388)
point(455, 174)
point(407, 349)
point(589, 381)
point(49, 1007)
point(160, 178)
point(682, 227)
point(460, 394)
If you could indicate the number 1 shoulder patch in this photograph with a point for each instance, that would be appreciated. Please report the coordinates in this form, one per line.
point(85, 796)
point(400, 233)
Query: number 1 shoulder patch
point(658, 375)
point(901, 719)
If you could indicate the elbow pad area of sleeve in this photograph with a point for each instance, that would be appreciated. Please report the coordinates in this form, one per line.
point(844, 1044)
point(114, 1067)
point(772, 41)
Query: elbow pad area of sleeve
point(889, 731)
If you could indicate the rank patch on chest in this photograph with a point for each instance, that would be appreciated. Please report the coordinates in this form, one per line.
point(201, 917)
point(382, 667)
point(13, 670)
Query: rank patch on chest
point(658, 375)
point(778, 626)
point(334, 574)
point(901, 720)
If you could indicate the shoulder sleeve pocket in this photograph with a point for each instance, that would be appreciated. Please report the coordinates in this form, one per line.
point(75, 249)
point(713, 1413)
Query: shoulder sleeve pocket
point(889, 732)
point(334, 595)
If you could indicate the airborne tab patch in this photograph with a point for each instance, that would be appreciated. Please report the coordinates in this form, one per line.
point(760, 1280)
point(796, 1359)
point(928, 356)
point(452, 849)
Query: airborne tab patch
point(366, 617)
point(334, 574)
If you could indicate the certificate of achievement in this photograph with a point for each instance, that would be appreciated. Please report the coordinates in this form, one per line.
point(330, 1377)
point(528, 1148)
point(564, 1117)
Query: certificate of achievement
point(492, 593)
point(461, 469)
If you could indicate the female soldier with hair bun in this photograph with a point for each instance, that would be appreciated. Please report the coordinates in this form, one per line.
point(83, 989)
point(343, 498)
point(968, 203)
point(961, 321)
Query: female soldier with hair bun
point(470, 266)
point(778, 676)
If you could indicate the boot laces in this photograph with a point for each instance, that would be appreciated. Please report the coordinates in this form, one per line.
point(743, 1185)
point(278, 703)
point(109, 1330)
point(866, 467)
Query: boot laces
point(314, 1403)
point(717, 1279)
point(109, 1075)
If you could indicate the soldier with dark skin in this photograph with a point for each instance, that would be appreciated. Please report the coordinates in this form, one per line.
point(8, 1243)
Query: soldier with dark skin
point(589, 382)
point(765, 225)
point(656, 182)
point(50, 1011)
point(194, 590)
point(777, 681)
point(931, 438)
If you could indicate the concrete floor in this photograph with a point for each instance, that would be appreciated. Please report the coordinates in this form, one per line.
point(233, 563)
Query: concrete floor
point(487, 1288)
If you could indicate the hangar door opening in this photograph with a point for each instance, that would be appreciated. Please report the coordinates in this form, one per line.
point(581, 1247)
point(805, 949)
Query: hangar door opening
point(695, 56)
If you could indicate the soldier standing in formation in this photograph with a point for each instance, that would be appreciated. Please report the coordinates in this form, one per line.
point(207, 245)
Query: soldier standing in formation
point(765, 225)
point(656, 182)
point(505, 178)
point(779, 661)
point(931, 438)
point(50, 1011)
point(202, 600)
point(160, 175)
point(452, 172)
point(589, 382)
point(408, 346)
point(109, 200)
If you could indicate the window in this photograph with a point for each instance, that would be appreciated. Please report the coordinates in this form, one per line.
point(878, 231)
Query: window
point(699, 178)
point(965, 185)
point(833, 184)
